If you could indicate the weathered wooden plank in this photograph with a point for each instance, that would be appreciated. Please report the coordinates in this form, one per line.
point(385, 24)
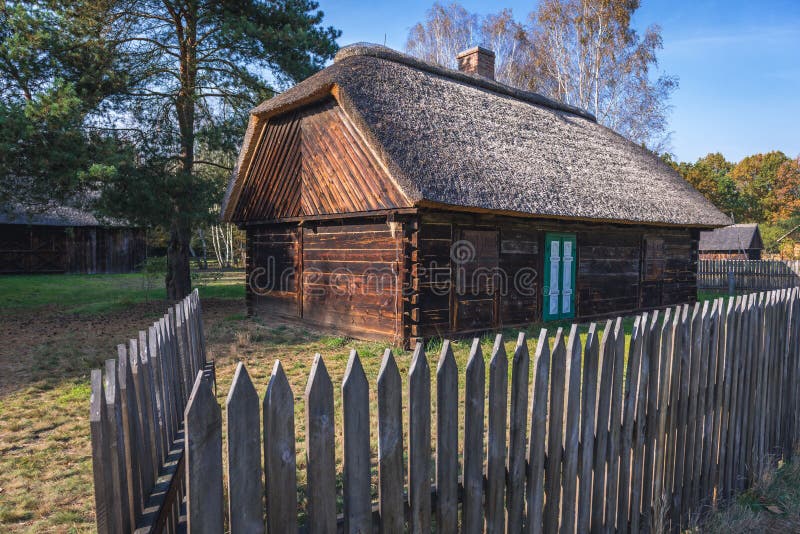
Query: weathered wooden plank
point(203, 450)
point(148, 378)
point(793, 325)
point(496, 449)
point(419, 438)
point(172, 417)
point(182, 346)
point(696, 347)
point(748, 376)
point(628, 418)
point(587, 421)
point(672, 479)
point(118, 492)
point(515, 498)
point(200, 330)
point(157, 373)
point(320, 453)
point(130, 432)
point(734, 352)
point(244, 455)
point(279, 454)
point(714, 486)
point(709, 311)
point(355, 404)
point(659, 500)
point(614, 445)
point(741, 383)
point(651, 422)
point(758, 393)
point(571, 431)
point(706, 484)
point(640, 426)
point(146, 454)
point(682, 350)
point(390, 446)
point(475, 390)
point(605, 366)
point(101, 458)
point(447, 442)
point(552, 508)
point(538, 440)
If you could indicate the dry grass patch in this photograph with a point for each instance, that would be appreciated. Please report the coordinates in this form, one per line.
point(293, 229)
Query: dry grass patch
point(771, 506)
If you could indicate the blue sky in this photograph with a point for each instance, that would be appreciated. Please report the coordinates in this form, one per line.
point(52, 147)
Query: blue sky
point(738, 62)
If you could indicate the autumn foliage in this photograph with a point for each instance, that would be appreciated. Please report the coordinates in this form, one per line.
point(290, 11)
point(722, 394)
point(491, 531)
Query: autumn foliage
point(763, 188)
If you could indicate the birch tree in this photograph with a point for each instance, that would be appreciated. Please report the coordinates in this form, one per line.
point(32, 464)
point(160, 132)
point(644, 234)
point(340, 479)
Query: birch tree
point(581, 52)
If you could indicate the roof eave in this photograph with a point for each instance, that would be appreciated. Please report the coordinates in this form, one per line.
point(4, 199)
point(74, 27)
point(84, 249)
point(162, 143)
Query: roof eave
point(427, 204)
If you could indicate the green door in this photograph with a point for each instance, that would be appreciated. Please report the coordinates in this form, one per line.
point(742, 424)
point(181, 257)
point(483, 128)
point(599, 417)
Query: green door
point(559, 277)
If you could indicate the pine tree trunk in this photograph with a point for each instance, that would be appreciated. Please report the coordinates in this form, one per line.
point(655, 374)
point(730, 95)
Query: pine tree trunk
point(179, 280)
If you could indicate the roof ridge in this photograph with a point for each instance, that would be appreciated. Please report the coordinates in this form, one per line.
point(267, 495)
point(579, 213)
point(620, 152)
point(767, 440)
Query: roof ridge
point(389, 54)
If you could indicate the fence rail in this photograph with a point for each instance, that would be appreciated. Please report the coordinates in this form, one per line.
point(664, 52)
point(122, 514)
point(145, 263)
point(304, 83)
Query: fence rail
point(137, 423)
point(606, 438)
point(747, 275)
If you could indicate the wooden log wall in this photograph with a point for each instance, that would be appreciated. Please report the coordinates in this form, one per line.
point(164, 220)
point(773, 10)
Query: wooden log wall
point(347, 276)
point(273, 263)
point(615, 272)
point(350, 277)
point(442, 273)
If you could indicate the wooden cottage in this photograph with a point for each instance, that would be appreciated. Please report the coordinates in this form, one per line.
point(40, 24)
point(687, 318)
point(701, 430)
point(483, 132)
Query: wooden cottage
point(389, 197)
point(734, 242)
point(65, 239)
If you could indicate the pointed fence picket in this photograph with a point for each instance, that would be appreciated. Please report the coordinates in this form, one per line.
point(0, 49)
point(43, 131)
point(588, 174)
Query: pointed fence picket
point(604, 438)
point(747, 275)
point(137, 424)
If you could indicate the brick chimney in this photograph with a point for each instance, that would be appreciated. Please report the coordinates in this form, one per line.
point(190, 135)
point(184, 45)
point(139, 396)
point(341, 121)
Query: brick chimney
point(477, 60)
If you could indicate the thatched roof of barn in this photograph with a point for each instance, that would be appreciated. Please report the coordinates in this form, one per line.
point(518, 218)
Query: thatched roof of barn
point(53, 215)
point(736, 237)
point(451, 138)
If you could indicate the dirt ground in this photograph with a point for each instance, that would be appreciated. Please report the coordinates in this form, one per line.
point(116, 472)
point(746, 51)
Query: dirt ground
point(45, 360)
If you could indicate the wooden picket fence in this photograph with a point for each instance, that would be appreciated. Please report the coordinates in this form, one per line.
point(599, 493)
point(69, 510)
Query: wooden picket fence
point(606, 438)
point(747, 275)
point(137, 423)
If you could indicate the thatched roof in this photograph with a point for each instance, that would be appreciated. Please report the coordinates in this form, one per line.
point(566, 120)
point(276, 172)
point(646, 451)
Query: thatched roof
point(53, 215)
point(450, 138)
point(736, 237)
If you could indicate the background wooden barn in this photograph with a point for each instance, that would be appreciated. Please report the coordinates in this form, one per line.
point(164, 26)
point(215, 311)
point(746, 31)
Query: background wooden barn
point(734, 242)
point(67, 240)
point(388, 197)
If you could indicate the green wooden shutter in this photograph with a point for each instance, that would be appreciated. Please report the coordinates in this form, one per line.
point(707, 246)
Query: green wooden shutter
point(558, 299)
point(568, 258)
point(552, 277)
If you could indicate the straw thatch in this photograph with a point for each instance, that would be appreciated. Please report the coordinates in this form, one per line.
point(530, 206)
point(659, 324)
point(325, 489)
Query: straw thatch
point(54, 215)
point(457, 139)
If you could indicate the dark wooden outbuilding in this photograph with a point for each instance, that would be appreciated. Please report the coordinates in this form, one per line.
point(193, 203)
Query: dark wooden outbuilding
point(63, 239)
point(734, 242)
point(388, 197)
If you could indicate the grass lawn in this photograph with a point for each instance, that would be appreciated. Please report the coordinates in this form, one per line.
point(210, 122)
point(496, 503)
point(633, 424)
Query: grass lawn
point(55, 329)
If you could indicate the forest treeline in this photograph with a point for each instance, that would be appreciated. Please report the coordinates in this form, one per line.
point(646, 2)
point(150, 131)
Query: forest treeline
point(763, 188)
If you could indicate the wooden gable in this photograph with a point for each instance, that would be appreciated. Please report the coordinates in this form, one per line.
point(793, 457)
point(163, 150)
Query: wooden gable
point(314, 162)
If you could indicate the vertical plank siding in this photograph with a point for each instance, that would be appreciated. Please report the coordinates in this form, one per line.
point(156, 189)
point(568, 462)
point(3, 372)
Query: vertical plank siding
point(37, 248)
point(604, 438)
